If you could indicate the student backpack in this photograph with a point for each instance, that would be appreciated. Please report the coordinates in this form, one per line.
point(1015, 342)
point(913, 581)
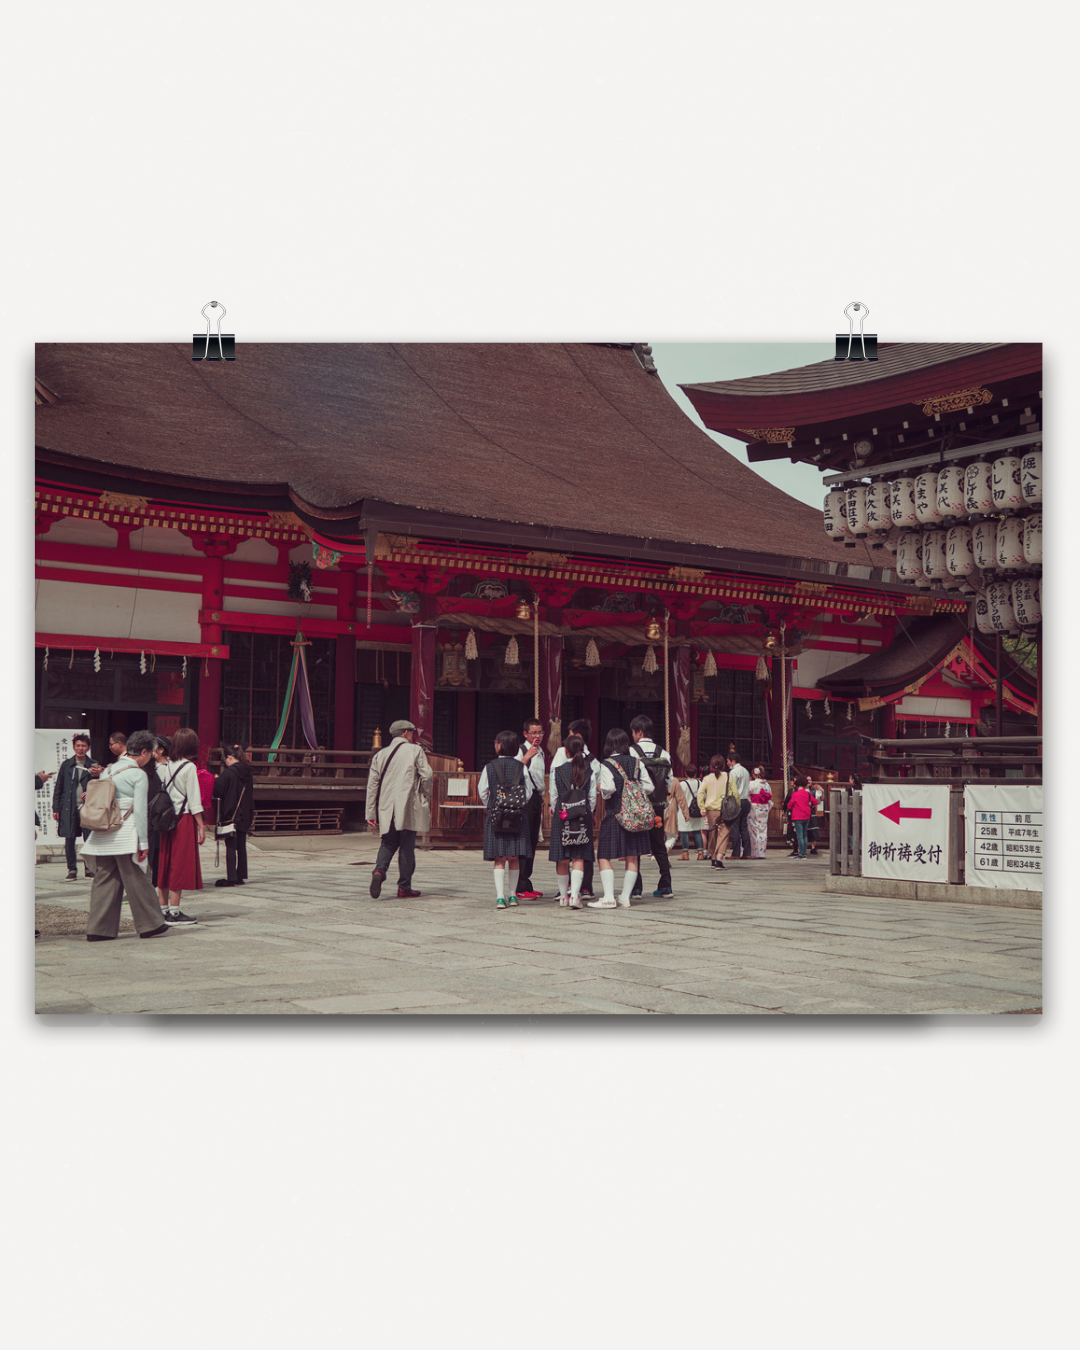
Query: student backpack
point(636, 813)
point(161, 812)
point(572, 808)
point(508, 804)
point(658, 770)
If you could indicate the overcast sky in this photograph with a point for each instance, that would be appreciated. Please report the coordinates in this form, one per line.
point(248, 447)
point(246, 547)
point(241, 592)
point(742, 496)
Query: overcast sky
point(701, 362)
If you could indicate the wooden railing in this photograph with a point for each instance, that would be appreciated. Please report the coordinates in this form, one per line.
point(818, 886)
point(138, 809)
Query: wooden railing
point(977, 759)
point(302, 767)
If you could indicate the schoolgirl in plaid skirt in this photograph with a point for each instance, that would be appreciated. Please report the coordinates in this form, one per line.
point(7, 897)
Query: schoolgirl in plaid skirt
point(614, 841)
point(504, 850)
point(568, 781)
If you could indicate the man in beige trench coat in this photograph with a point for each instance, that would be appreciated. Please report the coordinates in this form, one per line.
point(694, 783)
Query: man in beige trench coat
point(398, 805)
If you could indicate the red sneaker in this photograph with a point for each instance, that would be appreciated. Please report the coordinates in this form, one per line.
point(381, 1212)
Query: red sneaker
point(404, 894)
point(530, 895)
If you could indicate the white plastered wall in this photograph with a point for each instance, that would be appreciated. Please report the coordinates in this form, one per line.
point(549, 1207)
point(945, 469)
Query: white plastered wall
point(812, 665)
point(117, 611)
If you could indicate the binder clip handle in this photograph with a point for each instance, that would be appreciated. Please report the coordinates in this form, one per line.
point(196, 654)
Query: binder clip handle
point(226, 342)
point(867, 342)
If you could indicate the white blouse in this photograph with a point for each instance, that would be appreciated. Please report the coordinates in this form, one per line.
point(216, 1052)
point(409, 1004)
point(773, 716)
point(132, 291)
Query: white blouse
point(608, 775)
point(594, 779)
point(183, 780)
point(485, 788)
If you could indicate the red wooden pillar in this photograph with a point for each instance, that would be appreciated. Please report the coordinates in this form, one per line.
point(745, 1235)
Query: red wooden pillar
point(212, 632)
point(345, 666)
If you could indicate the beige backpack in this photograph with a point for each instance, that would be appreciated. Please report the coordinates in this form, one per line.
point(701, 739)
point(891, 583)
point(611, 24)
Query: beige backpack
point(99, 810)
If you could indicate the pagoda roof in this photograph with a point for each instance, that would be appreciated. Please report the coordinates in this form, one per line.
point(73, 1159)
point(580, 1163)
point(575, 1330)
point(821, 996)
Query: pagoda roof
point(919, 646)
point(563, 437)
point(904, 373)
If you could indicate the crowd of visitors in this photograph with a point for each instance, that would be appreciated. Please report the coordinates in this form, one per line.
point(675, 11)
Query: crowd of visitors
point(142, 820)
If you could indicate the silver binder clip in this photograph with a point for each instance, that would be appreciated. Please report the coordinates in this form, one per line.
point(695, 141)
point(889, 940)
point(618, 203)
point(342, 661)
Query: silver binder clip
point(217, 347)
point(852, 346)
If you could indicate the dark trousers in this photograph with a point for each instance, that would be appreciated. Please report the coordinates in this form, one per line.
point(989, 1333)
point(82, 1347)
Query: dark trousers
point(69, 852)
point(403, 843)
point(740, 832)
point(533, 808)
point(236, 856)
point(586, 880)
point(658, 844)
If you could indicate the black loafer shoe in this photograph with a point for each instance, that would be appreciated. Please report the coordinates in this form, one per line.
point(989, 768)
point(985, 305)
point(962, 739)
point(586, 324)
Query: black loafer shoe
point(377, 879)
point(223, 881)
point(156, 932)
point(100, 937)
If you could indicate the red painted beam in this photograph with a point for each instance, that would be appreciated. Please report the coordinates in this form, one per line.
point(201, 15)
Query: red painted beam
point(242, 621)
point(128, 579)
point(81, 643)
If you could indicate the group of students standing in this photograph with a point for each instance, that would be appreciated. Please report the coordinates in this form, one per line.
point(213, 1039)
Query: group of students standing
point(151, 857)
point(701, 805)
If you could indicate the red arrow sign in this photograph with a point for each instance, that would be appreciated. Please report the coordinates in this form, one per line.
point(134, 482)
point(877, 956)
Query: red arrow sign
point(896, 812)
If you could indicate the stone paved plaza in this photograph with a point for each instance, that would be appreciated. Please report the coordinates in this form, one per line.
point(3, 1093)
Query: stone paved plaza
point(304, 936)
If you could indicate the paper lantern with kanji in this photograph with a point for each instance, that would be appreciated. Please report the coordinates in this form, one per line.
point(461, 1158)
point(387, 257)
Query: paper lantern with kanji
point(1033, 539)
point(1026, 602)
point(836, 525)
point(950, 492)
point(959, 555)
point(984, 545)
point(878, 508)
point(1006, 480)
point(1031, 477)
point(1010, 543)
point(902, 503)
point(982, 615)
point(978, 489)
point(934, 558)
point(926, 508)
point(909, 557)
point(1002, 615)
point(856, 511)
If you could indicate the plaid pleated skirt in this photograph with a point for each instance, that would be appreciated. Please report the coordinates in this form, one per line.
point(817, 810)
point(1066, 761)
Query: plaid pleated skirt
point(615, 842)
point(507, 845)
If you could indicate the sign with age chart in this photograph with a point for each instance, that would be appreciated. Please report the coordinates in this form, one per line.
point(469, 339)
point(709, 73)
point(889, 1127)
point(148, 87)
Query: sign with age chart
point(1003, 837)
point(905, 832)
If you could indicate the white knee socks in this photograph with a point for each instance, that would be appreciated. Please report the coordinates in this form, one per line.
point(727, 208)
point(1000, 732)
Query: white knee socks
point(564, 887)
point(627, 886)
point(500, 873)
point(607, 877)
point(576, 878)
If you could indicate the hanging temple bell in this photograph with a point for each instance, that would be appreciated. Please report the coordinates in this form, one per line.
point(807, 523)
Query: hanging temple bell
point(523, 611)
point(653, 630)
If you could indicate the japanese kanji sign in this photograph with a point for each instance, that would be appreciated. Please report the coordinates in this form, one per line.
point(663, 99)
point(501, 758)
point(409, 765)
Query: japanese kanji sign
point(905, 832)
point(51, 748)
point(1004, 829)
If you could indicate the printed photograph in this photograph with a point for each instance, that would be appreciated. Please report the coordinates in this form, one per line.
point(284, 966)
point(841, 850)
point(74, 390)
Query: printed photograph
point(521, 679)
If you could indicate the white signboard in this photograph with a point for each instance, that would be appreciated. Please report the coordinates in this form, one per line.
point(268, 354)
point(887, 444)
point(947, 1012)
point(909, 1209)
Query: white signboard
point(905, 832)
point(457, 787)
point(1003, 837)
point(51, 748)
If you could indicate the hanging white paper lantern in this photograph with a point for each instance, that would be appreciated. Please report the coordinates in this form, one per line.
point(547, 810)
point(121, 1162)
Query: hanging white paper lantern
point(978, 489)
point(1031, 477)
point(838, 515)
point(950, 492)
point(1033, 539)
point(909, 557)
point(1025, 600)
point(1010, 543)
point(1007, 494)
point(856, 511)
point(827, 516)
point(984, 544)
point(982, 614)
point(926, 508)
point(999, 598)
point(902, 502)
point(959, 556)
point(934, 556)
point(878, 508)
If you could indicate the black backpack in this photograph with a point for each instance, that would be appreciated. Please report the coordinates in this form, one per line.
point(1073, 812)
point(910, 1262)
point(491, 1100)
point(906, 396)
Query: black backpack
point(160, 811)
point(572, 808)
point(508, 802)
point(693, 811)
point(658, 770)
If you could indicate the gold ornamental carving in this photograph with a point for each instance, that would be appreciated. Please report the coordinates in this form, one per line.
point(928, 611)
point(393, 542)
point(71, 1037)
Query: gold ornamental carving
point(771, 435)
point(959, 398)
point(288, 520)
point(687, 573)
point(547, 559)
point(386, 545)
point(119, 501)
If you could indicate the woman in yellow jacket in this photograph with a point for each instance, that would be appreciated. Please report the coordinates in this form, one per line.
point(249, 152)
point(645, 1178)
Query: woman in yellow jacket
point(712, 792)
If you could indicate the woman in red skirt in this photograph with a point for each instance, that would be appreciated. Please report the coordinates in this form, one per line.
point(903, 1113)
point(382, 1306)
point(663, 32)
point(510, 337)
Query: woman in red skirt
point(178, 856)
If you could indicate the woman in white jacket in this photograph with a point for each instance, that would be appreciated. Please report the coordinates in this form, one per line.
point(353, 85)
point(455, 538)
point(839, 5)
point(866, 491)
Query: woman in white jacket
point(120, 852)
